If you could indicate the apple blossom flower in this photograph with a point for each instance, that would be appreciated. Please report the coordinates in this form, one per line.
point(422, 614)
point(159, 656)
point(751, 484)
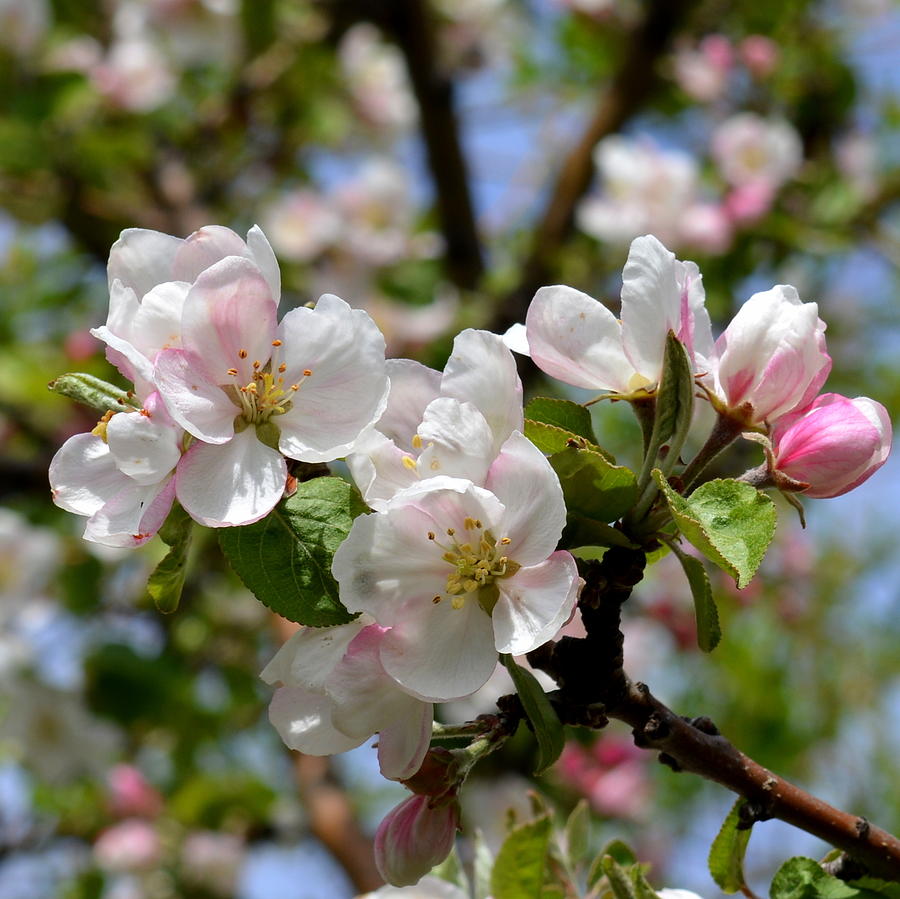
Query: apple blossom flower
point(414, 837)
point(121, 475)
point(134, 75)
point(336, 695)
point(702, 73)
point(250, 392)
point(442, 424)
point(460, 572)
point(771, 358)
point(708, 227)
point(150, 274)
point(212, 861)
point(302, 224)
point(760, 54)
point(427, 888)
point(644, 188)
point(130, 845)
point(747, 203)
point(748, 148)
point(130, 795)
point(579, 341)
point(832, 445)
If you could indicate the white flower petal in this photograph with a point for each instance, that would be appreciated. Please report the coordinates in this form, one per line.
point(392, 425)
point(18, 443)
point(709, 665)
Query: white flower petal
point(458, 441)
point(157, 322)
point(141, 259)
point(234, 483)
point(403, 743)
point(535, 603)
point(303, 720)
point(264, 256)
point(523, 480)
point(83, 475)
point(137, 367)
point(133, 515)
point(578, 340)
point(516, 338)
point(378, 470)
point(204, 248)
point(413, 387)
point(143, 448)
point(481, 370)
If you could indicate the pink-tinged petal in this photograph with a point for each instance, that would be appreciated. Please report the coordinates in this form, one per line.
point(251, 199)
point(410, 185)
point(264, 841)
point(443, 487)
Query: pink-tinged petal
point(403, 743)
point(229, 321)
point(309, 656)
point(203, 249)
point(201, 407)
point(141, 259)
point(303, 720)
point(535, 603)
point(694, 329)
point(133, 515)
point(378, 470)
point(522, 479)
point(578, 340)
point(83, 475)
point(235, 483)
point(413, 387)
point(157, 323)
point(481, 370)
point(143, 448)
point(347, 389)
point(651, 304)
point(123, 308)
point(457, 439)
point(264, 256)
point(439, 653)
point(516, 338)
point(125, 356)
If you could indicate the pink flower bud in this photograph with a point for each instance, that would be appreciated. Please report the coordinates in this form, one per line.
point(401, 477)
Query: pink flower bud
point(760, 54)
point(130, 794)
point(833, 445)
point(772, 358)
point(718, 52)
point(413, 838)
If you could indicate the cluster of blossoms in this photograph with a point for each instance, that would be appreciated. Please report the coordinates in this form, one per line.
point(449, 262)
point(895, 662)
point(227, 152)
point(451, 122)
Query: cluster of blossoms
point(458, 559)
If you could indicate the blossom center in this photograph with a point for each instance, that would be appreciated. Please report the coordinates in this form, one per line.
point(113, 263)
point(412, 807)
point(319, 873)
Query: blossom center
point(267, 393)
point(476, 562)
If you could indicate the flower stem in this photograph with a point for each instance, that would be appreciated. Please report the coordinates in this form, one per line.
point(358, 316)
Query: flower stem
point(725, 432)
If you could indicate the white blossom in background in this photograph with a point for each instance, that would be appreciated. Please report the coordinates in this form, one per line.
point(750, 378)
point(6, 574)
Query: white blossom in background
point(576, 339)
point(441, 424)
point(335, 695)
point(376, 77)
point(302, 224)
point(749, 149)
point(427, 888)
point(643, 189)
point(702, 72)
point(212, 860)
point(460, 572)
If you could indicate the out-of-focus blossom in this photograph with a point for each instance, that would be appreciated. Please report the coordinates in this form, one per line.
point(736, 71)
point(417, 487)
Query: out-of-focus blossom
point(771, 358)
point(212, 860)
point(748, 148)
point(336, 694)
point(302, 224)
point(668, 893)
point(426, 888)
point(23, 23)
point(376, 77)
point(131, 845)
point(856, 155)
point(612, 775)
point(702, 73)
point(414, 837)
point(53, 733)
point(578, 340)
point(643, 189)
point(460, 573)
point(134, 75)
point(747, 203)
point(833, 445)
point(760, 54)
point(707, 227)
point(130, 795)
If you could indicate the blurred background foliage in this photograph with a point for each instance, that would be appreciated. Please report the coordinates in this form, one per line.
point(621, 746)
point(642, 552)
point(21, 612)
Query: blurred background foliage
point(432, 161)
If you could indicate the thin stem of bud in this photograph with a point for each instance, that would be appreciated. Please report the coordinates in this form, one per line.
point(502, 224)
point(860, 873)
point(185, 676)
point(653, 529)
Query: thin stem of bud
point(725, 432)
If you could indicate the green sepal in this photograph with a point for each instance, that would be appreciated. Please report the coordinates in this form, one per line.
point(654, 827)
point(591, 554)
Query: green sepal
point(166, 583)
point(726, 855)
point(548, 730)
point(285, 559)
point(95, 393)
point(730, 522)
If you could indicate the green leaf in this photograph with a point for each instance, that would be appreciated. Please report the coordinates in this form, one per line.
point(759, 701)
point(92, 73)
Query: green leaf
point(547, 728)
point(285, 559)
point(730, 522)
point(521, 862)
point(675, 396)
point(167, 581)
point(581, 531)
point(562, 414)
point(620, 852)
point(482, 866)
point(878, 887)
point(619, 881)
point(94, 393)
point(803, 878)
point(593, 488)
point(578, 831)
point(450, 869)
point(708, 631)
point(726, 855)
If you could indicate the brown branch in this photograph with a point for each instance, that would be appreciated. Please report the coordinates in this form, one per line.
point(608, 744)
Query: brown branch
point(631, 87)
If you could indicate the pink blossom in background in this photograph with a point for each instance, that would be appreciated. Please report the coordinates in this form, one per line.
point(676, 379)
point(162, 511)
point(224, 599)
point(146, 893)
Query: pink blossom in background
point(131, 845)
point(130, 794)
point(134, 75)
point(748, 148)
point(759, 54)
point(833, 445)
point(747, 203)
point(708, 228)
point(81, 345)
point(702, 72)
point(414, 837)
